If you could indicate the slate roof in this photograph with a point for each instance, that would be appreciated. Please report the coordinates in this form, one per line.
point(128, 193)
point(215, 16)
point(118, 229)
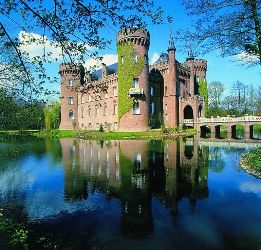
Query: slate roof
point(113, 68)
point(164, 57)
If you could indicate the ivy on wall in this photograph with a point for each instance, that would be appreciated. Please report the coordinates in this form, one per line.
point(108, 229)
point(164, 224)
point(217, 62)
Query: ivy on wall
point(127, 71)
point(203, 91)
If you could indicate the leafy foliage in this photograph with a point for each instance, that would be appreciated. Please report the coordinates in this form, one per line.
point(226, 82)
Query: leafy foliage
point(230, 26)
point(203, 91)
point(52, 114)
point(71, 28)
point(20, 115)
point(128, 71)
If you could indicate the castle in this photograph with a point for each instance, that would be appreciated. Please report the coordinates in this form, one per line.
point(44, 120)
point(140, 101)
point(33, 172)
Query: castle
point(132, 95)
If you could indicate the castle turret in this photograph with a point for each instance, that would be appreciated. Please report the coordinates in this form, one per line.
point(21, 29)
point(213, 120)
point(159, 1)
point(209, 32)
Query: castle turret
point(71, 78)
point(170, 88)
point(190, 64)
point(133, 79)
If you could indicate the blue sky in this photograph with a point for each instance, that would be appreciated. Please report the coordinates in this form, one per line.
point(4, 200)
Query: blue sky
point(221, 69)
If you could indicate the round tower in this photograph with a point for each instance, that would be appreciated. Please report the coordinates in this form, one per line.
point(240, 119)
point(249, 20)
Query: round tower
point(133, 79)
point(71, 78)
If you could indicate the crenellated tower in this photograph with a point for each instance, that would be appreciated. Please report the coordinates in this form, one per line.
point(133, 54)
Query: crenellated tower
point(133, 79)
point(170, 102)
point(71, 77)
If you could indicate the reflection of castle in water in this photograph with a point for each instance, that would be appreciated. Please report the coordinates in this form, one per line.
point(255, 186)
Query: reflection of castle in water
point(134, 171)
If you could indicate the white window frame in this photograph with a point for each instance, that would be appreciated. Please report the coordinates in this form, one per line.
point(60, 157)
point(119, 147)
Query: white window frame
point(136, 108)
point(70, 100)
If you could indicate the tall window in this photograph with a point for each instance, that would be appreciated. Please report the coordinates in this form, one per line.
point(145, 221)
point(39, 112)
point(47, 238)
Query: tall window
point(71, 115)
point(114, 91)
point(152, 108)
point(135, 83)
point(96, 110)
point(70, 100)
point(82, 111)
point(135, 57)
point(166, 90)
point(82, 99)
point(115, 108)
point(136, 108)
point(152, 90)
point(89, 111)
point(70, 82)
point(105, 109)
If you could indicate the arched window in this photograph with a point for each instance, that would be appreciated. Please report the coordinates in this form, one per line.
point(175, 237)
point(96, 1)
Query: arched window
point(82, 112)
point(105, 109)
point(152, 90)
point(70, 100)
point(71, 115)
point(135, 57)
point(96, 110)
point(136, 108)
point(115, 108)
point(135, 83)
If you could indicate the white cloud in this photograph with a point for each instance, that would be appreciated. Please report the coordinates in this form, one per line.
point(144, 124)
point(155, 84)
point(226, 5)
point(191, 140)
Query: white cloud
point(37, 46)
point(108, 59)
point(154, 58)
point(250, 187)
point(247, 58)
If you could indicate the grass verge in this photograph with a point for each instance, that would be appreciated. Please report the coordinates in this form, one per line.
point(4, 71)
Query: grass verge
point(251, 162)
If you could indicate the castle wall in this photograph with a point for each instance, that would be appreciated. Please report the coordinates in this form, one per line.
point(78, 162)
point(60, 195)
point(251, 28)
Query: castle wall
point(97, 105)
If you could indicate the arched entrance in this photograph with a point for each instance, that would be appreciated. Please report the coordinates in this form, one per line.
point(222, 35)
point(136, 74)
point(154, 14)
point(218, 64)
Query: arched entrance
point(188, 112)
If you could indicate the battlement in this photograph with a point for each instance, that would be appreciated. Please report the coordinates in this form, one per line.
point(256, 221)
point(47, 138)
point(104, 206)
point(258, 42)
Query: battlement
point(135, 35)
point(71, 69)
point(200, 64)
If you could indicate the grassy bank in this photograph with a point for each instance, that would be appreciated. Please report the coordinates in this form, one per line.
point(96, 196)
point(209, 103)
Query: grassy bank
point(98, 135)
point(251, 162)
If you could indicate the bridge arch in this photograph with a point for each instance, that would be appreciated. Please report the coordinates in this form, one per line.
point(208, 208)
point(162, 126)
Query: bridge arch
point(188, 112)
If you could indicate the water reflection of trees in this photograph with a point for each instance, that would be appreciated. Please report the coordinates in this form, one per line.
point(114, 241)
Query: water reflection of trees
point(134, 172)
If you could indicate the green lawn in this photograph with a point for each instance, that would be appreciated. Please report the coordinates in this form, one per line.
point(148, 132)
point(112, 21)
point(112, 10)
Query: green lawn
point(251, 162)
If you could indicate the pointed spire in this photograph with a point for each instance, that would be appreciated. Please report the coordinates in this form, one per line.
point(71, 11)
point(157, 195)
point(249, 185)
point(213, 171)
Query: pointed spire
point(171, 42)
point(190, 54)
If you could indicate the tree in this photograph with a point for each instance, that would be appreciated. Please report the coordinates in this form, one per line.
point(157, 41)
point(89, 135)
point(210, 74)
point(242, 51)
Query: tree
point(231, 26)
point(203, 91)
point(215, 92)
point(239, 90)
point(52, 115)
point(71, 27)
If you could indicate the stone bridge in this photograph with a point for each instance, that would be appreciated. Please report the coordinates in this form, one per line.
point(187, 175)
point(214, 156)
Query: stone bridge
point(214, 124)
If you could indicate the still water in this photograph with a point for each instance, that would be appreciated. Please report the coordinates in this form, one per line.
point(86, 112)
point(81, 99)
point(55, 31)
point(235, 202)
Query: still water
point(158, 194)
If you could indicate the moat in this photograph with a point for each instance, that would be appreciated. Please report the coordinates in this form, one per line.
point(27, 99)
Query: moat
point(136, 194)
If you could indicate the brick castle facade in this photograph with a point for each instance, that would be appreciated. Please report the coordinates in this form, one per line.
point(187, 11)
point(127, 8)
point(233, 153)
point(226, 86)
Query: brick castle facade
point(165, 92)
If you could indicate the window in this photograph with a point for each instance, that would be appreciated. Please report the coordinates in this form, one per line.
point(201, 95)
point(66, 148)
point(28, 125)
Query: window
point(70, 100)
point(106, 95)
point(136, 108)
point(152, 108)
point(197, 79)
point(152, 91)
point(122, 60)
point(82, 112)
point(135, 83)
point(82, 99)
point(115, 108)
point(70, 82)
point(114, 91)
point(89, 111)
point(89, 98)
point(135, 57)
point(105, 109)
point(71, 115)
point(96, 110)
point(166, 90)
